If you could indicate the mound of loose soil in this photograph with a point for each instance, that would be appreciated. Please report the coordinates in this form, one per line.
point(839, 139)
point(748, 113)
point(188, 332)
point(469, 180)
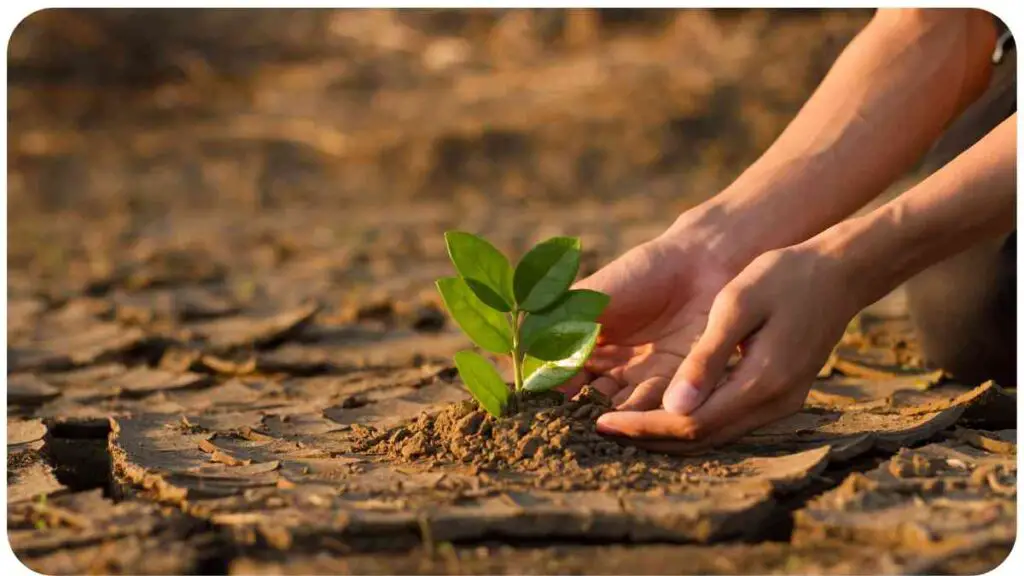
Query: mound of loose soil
point(551, 441)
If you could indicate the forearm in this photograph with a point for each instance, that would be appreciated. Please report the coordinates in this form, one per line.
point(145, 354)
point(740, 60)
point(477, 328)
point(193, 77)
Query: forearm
point(886, 99)
point(970, 200)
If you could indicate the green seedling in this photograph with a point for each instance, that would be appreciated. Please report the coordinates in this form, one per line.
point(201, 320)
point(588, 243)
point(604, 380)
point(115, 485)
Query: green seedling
point(528, 313)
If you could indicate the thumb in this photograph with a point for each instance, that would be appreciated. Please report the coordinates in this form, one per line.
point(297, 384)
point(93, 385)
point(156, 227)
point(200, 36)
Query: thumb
point(730, 322)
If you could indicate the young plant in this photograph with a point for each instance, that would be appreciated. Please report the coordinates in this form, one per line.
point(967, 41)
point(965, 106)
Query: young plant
point(527, 312)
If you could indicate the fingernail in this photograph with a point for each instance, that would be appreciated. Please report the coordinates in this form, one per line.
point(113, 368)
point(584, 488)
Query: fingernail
point(681, 398)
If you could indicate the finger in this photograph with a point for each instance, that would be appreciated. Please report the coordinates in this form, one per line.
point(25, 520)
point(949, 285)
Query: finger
point(652, 424)
point(731, 320)
point(727, 407)
point(575, 384)
point(756, 384)
point(637, 376)
point(623, 394)
point(654, 363)
point(607, 386)
point(645, 396)
point(638, 431)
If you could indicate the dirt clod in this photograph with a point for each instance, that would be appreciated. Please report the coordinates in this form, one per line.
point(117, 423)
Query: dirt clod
point(415, 446)
point(470, 423)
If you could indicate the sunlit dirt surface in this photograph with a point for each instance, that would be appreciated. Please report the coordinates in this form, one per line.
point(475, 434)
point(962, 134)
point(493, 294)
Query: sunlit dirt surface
point(225, 352)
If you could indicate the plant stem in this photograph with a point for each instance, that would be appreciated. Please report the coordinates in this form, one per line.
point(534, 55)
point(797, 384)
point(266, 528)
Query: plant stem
point(517, 362)
point(517, 359)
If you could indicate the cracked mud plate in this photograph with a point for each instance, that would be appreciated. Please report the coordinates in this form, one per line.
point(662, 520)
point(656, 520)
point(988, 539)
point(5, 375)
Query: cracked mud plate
point(66, 532)
point(943, 500)
point(308, 484)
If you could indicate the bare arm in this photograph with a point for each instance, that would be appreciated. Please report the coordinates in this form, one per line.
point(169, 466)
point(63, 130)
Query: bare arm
point(886, 99)
point(882, 105)
point(970, 200)
point(791, 305)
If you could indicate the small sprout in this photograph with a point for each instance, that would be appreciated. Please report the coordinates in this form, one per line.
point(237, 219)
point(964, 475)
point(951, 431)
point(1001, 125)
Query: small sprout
point(528, 313)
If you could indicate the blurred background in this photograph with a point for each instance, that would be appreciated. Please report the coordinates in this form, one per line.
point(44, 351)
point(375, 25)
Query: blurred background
point(257, 135)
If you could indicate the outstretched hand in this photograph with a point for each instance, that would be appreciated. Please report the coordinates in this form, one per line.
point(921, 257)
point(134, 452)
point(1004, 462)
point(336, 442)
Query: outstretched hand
point(784, 309)
point(675, 321)
point(661, 293)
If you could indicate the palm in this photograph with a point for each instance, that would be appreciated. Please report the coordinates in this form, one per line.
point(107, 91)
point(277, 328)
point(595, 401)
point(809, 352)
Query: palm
point(661, 294)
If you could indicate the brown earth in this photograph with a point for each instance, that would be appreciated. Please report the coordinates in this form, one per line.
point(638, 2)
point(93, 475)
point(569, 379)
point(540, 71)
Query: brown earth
point(225, 354)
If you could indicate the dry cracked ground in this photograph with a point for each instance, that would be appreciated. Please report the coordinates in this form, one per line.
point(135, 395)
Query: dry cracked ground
point(165, 417)
point(225, 353)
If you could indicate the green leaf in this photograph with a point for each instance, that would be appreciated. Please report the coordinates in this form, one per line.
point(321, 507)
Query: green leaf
point(552, 374)
point(487, 328)
point(546, 272)
point(530, 365)
point(486, 270)
point(562, 339)
point(483, 381)
point(575, 305)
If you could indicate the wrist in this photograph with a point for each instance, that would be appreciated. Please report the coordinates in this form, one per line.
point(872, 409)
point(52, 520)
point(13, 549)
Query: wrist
point(867, 254)
point(737, 225)
point(712, 229)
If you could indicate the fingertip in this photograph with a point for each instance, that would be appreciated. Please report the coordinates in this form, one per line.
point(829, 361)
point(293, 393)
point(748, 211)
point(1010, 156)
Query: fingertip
point(650, 424)
point(607, 424)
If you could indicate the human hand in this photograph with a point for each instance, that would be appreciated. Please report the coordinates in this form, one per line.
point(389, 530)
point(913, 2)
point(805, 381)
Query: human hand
point(786, 311)
point(661, 292)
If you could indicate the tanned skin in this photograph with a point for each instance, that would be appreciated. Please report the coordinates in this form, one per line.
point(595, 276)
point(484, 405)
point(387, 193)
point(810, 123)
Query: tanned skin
point(773, 267)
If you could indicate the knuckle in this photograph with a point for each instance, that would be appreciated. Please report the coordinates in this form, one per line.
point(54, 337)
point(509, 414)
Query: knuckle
point(732, 301)
point(774, 262)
